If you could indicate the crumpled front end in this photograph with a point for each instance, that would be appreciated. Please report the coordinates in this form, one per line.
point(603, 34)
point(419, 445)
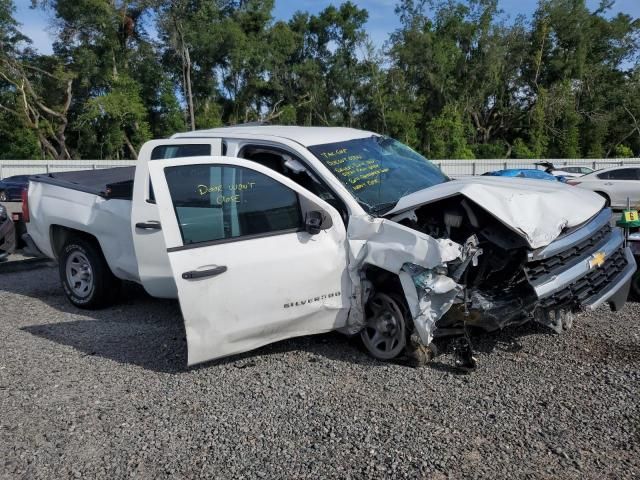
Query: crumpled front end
point(481, 274)
point(420, 261)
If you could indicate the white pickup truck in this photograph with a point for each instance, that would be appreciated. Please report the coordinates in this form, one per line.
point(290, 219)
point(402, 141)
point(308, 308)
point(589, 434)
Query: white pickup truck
point(270, 232)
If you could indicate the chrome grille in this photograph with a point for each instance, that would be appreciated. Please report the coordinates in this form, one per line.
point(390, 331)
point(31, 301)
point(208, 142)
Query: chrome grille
point(537, 270)
point(590, 284)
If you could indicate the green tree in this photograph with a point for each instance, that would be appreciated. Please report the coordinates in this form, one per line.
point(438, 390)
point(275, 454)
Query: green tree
point(456, 79)
point(447, 135)
point(114, 123)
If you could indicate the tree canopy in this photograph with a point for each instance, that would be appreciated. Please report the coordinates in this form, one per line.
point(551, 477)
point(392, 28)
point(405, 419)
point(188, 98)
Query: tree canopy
point(456, 79)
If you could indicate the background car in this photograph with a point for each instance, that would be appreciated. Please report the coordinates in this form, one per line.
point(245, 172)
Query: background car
point(7, 234)
point(524, 173)
point(11, 188)
point(568, 170)
point(615, 184)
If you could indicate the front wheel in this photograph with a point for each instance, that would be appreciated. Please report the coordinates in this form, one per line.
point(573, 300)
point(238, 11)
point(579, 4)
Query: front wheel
point(385, 333)
point(86, 278)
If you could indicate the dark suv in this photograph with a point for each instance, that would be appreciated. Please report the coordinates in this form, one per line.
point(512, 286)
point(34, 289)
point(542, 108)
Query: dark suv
point(11, 188)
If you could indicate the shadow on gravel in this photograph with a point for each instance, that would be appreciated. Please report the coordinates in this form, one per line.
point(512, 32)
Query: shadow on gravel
point(160, 345)
point(149, 332)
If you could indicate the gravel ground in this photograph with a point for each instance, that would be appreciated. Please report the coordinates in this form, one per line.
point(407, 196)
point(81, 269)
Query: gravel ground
point(107, 395)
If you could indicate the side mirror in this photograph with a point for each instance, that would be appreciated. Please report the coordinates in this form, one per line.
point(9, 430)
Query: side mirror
point(313, 222)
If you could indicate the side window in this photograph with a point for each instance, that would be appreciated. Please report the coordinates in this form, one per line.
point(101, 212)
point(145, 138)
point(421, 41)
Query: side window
point(624, 174)
point(275, 160)
point(174, 151)
point(604, 175)
point(217, 202)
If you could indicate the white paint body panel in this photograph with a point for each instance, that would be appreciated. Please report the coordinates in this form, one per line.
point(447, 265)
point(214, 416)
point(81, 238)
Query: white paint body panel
point(536, 210)
point(305, 136)
point(275, 287)
point(108, 220)
point(153, 263)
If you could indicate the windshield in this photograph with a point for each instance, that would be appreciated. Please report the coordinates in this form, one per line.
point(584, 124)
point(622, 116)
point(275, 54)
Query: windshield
point(378, 171)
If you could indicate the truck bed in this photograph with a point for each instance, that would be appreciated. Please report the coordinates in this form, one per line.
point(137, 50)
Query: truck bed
point(107, 183)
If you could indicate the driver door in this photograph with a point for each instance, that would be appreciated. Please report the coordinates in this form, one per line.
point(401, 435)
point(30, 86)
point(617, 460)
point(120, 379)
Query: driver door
point(247, 271)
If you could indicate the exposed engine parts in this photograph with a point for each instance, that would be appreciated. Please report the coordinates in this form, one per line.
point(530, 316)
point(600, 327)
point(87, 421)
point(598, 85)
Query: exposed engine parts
point(498, 280)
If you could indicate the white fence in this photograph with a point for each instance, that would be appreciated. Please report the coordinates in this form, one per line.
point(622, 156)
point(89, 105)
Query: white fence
point(465, 168)
point(453, 168)
point(9, 168)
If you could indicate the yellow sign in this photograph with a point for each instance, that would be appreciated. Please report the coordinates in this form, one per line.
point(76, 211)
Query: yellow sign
point(597, 259)
point(630, 215)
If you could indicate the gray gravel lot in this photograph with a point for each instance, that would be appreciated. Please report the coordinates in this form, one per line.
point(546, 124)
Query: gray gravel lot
point(107, 395)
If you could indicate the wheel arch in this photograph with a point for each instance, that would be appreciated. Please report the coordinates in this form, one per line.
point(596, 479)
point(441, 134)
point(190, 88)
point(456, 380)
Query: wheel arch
point(60, 234)
point(383, 280)
point(104, 285)
point(386, 281)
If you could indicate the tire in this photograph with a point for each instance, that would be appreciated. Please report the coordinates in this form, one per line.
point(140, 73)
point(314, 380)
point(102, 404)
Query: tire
point(607, 200)
point(86, 278)
point(386, 331)
point(3, 196)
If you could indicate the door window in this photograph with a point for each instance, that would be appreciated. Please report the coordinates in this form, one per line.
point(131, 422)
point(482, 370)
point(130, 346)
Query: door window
point(275, 159)
point(621, 174)
point(217, 202)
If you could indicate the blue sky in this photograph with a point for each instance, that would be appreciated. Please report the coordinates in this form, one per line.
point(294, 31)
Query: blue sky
point(382, 19)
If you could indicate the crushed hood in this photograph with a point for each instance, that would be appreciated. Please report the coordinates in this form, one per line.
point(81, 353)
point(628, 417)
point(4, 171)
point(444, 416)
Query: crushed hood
point(537, 210)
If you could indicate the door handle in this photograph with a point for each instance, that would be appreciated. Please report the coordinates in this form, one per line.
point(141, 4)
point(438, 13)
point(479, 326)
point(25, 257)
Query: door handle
point(608, 183)
point(149, 225)
point(204, 273)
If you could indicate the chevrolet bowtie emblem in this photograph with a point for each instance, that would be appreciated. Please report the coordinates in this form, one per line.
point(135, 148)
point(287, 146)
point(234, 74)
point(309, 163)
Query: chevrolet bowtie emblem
point(597, 259)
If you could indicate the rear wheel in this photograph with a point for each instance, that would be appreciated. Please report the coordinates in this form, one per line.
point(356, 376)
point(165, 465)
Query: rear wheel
point(385, 333)
point(85, 275)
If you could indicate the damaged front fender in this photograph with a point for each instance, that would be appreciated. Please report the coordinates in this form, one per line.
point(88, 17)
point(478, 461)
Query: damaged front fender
point(420, 262)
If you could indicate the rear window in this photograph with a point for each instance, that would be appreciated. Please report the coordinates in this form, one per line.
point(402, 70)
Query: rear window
point(174, 151)
point(162, 152)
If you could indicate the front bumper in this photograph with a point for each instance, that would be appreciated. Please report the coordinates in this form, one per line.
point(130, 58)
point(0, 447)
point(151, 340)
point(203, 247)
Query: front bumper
point(617, 291)
point(584, 269)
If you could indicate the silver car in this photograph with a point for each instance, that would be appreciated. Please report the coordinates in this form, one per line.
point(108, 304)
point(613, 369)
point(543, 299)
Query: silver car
point(616, 185)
